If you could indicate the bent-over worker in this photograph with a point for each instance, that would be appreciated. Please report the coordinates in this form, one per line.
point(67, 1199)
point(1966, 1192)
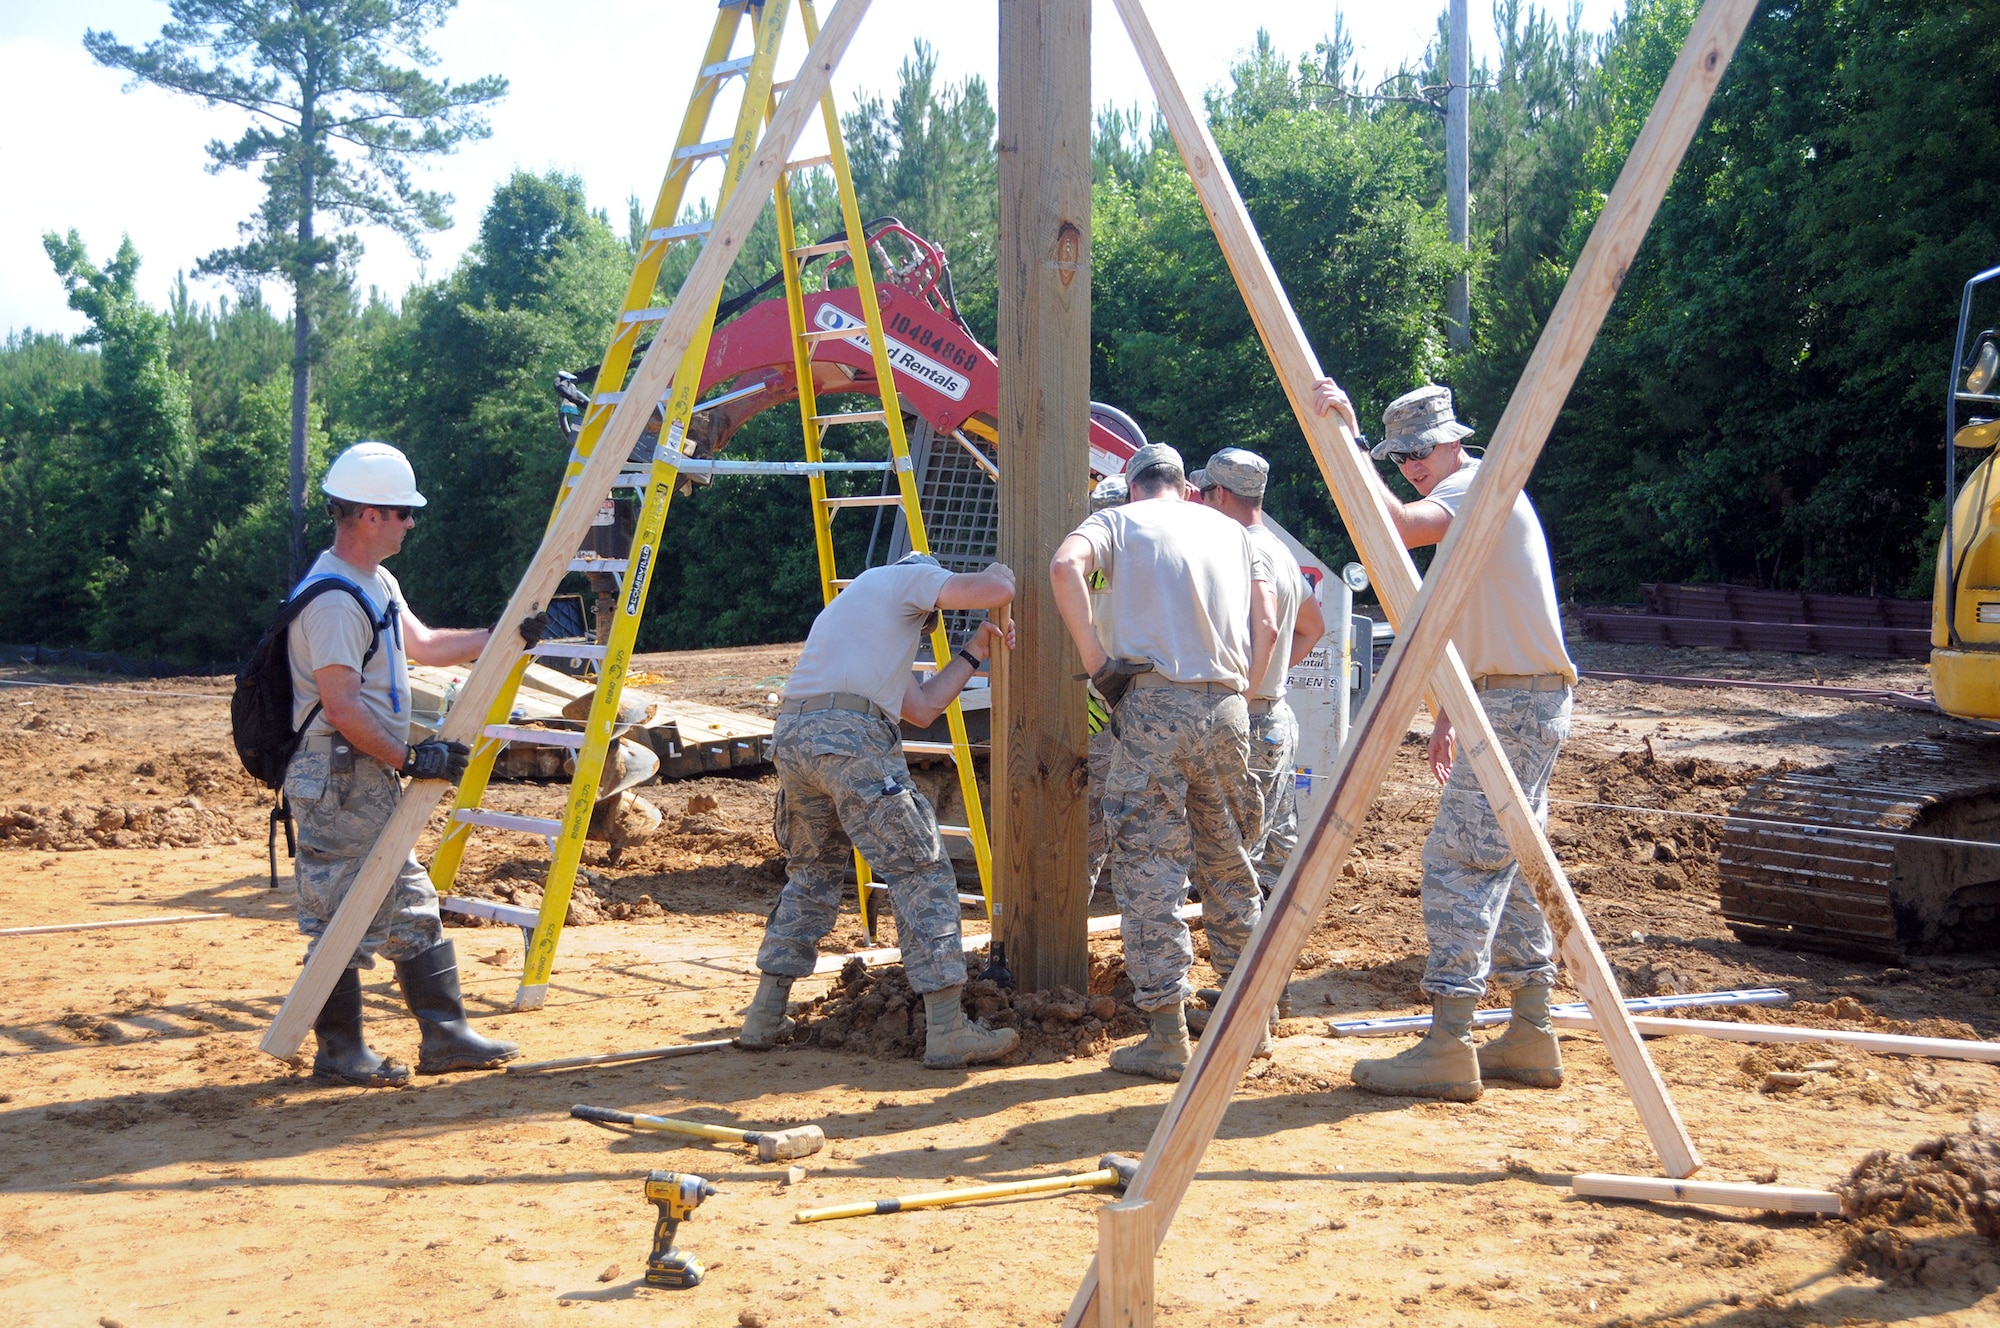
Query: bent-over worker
point(843, 785)
point(1481, 919)
point(1191, 621)
point(1108, 492)
point(351, 696)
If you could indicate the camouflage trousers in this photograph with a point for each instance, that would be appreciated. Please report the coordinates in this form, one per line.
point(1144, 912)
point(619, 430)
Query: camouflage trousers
point(1180, 805)
point(339, 816)
point(1479, 915)
point(1274, 753)
point(843, 785)
point(1101, 743)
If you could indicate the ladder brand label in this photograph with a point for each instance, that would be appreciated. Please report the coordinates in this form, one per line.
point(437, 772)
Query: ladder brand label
point(638, 582)
point(903, 359)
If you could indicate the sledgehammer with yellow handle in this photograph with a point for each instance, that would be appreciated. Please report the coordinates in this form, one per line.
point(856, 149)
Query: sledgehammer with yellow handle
point(772, 1146)
point(1114, 1172)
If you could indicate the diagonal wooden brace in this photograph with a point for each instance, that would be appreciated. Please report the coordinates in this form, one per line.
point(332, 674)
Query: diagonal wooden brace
point(566, 530)
point(1196, 1109)
point(1344, 468)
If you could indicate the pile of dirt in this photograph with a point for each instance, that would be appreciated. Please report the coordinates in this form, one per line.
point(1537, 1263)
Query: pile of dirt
point(873, 1012)
point(1625, 851)
point(79, 825)
point(1914, 1215)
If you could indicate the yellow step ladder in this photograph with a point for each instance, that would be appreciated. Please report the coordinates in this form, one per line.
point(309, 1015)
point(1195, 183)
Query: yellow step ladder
point(656, 478)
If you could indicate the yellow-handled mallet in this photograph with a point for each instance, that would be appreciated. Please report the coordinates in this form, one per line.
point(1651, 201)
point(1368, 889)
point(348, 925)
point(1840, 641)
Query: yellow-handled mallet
point(1114, 1172)
point(772, 1145)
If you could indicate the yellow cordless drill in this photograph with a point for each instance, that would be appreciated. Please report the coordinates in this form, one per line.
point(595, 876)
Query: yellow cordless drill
point(676, 1194)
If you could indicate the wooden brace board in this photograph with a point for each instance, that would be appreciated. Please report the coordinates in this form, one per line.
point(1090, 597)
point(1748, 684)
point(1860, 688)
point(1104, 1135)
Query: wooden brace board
point(648, 385)
point(1195, 1111)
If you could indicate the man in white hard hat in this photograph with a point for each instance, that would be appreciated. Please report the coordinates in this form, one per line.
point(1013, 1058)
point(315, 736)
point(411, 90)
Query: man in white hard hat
point(351, 702)
point(1191, 621)
point(843, 784)
point(1481, 920)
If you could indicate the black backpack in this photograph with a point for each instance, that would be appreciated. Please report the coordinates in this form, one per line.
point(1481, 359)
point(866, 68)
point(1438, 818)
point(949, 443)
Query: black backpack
point(260, 710)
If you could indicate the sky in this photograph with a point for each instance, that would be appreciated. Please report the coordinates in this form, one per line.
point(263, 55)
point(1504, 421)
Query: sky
point(597, 90)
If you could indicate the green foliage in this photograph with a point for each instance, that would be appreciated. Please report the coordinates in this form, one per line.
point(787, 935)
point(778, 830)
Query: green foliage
point(1345, 210)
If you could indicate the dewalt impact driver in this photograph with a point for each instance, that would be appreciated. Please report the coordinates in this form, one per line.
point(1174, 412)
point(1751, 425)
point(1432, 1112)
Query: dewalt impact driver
point(676, 1194)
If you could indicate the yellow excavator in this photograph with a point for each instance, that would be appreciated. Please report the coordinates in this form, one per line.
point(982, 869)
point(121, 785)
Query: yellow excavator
point(1898, 852)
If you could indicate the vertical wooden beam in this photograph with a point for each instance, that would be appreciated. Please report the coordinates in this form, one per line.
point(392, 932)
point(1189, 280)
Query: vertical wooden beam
point(1040, 742)
point(1125, 1244)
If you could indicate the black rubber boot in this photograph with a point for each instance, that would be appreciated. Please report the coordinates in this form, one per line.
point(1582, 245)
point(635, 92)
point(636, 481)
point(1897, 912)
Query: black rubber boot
point(430, 988)
point(343, 1056)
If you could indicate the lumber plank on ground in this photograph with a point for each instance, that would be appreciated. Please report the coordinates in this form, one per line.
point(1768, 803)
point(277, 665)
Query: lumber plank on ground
point(649, 383)
point(1777, 1198)
point(1887, 1044)
point(108, 925)
point(1195, 1111)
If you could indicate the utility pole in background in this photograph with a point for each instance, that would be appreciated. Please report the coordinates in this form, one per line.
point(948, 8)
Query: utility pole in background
point(1458, 300)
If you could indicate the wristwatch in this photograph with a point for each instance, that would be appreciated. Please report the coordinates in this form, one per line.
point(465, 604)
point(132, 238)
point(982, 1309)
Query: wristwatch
point(970, 658)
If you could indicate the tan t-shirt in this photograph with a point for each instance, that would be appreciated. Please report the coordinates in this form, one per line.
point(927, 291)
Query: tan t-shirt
point(333, 630)
point(865, 642)
point(1179, 578)
point(1288, 584)
point(1511, 624)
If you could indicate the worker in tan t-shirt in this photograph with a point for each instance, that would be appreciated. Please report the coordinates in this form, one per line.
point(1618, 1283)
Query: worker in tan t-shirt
point(1192, 620)
point(844, 785)
point(1481, 919)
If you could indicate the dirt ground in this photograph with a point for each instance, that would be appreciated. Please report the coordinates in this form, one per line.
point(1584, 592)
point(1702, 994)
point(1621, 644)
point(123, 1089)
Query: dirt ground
point(162, 1170)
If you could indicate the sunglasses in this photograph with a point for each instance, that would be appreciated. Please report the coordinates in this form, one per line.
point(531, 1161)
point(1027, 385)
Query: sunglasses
point(400, 513)
point(1414, 452)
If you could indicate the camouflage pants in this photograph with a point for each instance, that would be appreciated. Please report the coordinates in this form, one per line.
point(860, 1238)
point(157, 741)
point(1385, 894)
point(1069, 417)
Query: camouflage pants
point(1101, 743)
point(1274, 752)
point(339, 816)
point(843, 785)
point(1479, 915)
point(1179, 805)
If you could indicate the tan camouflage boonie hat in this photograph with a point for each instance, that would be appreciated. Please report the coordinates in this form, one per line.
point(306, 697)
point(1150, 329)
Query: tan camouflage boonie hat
point(1418, 421)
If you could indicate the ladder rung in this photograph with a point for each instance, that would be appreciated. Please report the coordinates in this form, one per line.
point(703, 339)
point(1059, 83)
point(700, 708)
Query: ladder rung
point(832, 333)
point(780, 87)
point(686, 231)
point(630, 479)
point(535, 737)
point(527, 825)
point(841, 582)
point(871, 500)
point(726, 68)
point(728, 397)
point(855, 417)
point(716, 466)
point(490, 908)
point(956, 831)
point(632, 316)
point(929, 749)
point(963, 898)
point(599, 564)
point(829, 247)
point(567, 650)
point(807, 163)
point(713, 148)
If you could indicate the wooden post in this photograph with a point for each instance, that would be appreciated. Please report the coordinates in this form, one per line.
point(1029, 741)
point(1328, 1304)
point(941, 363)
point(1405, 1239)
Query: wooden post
point(1040, 739)
point(1196, 1109)
point(593, 482)
point(1125, 1244)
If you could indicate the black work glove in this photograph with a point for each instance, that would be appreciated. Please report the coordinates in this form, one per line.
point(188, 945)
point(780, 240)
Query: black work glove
point(535, 628)
point(1115, 678)
point(433, 758)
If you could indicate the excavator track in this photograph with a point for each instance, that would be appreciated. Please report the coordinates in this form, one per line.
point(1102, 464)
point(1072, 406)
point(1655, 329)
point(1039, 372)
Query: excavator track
point(1795, 873)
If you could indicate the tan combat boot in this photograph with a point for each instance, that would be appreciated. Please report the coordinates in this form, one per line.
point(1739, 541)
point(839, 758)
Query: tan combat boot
point(1166, 1051)
point(765, 1026)
point(1527, 1052)
point(950, 1042)
point(1197, 1022)
point(1443, 1065)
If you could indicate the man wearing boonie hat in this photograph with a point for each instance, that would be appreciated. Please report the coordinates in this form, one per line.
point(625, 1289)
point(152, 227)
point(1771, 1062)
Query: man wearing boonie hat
point(1191, 621)
point(1481, 919)
point(843, 784)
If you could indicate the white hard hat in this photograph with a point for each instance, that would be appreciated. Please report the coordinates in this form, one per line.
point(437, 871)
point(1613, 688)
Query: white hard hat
point(374, 474)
